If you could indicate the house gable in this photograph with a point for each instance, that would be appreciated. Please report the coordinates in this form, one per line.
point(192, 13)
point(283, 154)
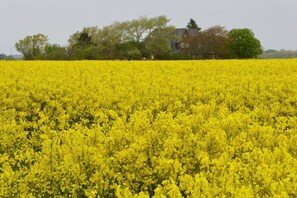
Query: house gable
point(182, 42)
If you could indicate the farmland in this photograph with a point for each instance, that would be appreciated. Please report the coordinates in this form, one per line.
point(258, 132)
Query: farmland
point(148, 128)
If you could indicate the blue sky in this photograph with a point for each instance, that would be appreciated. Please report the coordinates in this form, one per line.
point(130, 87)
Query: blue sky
point(274, 22)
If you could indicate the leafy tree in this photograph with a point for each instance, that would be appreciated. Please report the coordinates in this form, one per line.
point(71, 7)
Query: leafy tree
point(157, 43)
point(32, 47)
point(130, 50)
point(87, 36)
point(84, 45)
point(210, 43)
point(149, 35)
point(110, 38)
point(137, 29)
point(244, 44)
point(193, 25)
point(133, 39)
point(84, 40)
point(86, 53)
point(54, 52)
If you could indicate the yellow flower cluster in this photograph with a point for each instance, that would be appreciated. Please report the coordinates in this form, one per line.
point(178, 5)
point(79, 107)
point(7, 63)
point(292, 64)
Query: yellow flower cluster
point(148, 129)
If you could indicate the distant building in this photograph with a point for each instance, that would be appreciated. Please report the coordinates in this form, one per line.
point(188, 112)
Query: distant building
point(181, 45)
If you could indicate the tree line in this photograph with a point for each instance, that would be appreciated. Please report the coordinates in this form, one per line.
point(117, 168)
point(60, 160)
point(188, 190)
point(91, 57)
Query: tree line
point(271, 53)
point(144, 38)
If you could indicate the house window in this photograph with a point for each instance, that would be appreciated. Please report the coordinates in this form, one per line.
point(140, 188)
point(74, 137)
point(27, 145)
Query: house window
point(177, 47)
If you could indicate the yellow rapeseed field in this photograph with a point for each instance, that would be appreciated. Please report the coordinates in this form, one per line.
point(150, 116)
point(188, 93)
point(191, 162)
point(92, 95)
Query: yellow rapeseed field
point(148, 128)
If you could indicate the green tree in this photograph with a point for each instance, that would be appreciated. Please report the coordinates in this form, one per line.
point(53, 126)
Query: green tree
point(193, 25)
point(157, 43)
point(87, 36)
point(149, 36)
point(137, 29)
point(32, 47)
point(84, 40)
point(135, 39)
point(110, 38)
point(54, 52)
point(130, 50)
point(244, 44)
point(82, 45)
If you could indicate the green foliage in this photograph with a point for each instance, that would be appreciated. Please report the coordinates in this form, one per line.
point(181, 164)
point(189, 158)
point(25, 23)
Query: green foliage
point(157, 42)
point(32, 47)
point(135, 39)
point(54, 52)
point(84, 40)
point(83, 47)
point(131, 50)
point(90, 52)
point(145, 38)
point(148, 129)
point(243, 44)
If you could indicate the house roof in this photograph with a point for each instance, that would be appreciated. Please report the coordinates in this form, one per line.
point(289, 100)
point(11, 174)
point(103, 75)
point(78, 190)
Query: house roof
point(181, 31)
